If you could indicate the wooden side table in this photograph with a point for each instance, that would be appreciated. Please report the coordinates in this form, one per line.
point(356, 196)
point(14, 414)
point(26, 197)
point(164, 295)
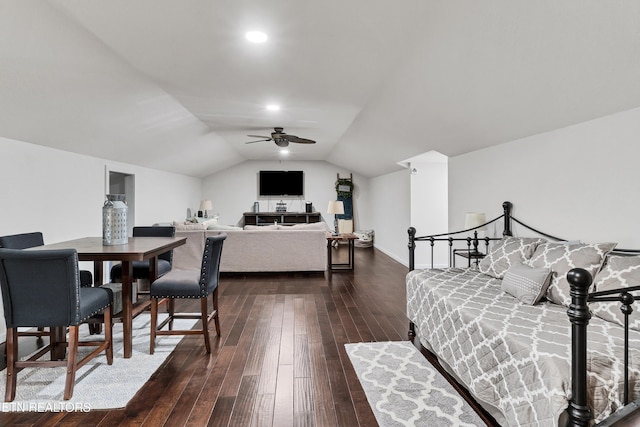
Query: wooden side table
point(350, 238)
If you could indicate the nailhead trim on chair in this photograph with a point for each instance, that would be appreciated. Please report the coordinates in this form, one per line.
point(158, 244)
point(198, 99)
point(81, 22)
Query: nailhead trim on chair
point(94, 313)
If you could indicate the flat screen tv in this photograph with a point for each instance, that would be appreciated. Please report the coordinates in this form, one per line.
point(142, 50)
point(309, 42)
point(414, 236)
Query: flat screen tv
point(280, 183)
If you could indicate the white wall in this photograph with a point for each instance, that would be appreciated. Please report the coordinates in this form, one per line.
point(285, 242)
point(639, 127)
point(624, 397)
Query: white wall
point(390, 210)
point(580, 182)
point(233, 191)
point(61, 193)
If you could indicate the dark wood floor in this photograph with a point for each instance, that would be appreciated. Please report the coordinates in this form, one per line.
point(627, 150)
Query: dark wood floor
point(281, 359)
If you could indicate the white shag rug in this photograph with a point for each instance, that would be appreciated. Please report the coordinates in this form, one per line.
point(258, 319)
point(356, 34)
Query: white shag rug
point(98, 385)
point(404, 389)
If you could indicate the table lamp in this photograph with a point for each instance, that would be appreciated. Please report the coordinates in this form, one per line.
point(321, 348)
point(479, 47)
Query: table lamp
point(475, 221)
point(206, 205)
point(336, 207)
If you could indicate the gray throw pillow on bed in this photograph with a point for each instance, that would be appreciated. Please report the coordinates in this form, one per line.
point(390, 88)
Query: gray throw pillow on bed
point(507, 252)
point(561, 258)
point(526, 283)
point(619, 272)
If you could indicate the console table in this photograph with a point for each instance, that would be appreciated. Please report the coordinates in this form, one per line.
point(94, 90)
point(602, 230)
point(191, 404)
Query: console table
point(283, 218)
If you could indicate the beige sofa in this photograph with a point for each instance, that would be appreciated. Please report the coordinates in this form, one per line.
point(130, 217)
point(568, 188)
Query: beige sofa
point(260, 249)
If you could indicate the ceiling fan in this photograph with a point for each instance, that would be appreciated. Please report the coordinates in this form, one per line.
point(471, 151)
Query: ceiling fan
point(280, 138)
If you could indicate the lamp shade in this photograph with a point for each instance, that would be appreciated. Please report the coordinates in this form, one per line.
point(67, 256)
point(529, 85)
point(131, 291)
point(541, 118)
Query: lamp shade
point(474, 219)
point(206, 205)
point(335, 207)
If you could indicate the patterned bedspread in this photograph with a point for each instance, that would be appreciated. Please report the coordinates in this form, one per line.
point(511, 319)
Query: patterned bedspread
point(513, 356)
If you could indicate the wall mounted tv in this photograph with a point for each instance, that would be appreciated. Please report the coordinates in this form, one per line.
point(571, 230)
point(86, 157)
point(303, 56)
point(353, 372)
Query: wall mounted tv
point(281, 183)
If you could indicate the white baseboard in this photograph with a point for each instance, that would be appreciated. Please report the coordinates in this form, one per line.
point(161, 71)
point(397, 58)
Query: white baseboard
point(389, 254)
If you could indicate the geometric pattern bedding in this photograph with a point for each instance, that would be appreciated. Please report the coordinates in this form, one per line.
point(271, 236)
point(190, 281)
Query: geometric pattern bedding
point(514, 356)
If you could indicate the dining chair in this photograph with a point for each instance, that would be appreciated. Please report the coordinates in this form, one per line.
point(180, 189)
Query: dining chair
point(42, 289)
point(141, 268)
point(189, 284)
point(31, 240)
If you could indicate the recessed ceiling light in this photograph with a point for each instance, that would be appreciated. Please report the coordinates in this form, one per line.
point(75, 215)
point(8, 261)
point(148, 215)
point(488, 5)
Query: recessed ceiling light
point(256, 36)
point(273, 107)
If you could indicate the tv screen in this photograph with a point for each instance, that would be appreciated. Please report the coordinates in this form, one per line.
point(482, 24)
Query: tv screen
point(281, 183)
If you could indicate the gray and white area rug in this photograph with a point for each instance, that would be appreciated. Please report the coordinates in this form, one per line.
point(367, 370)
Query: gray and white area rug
point(403, 389)
point(98, 385)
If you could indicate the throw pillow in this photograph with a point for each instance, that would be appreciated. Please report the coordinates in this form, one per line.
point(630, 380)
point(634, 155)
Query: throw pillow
point(619, 272)
point(507, 252)
point(526, 283)
point(561, 258)
point(208, 222)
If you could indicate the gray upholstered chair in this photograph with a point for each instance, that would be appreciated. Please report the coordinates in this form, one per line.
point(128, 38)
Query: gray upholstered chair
point(189, 284)
point(42, 289)
point(31, 240)
point(141, 268)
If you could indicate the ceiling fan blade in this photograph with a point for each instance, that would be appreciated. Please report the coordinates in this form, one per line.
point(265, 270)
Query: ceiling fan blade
point(258, 136)
point(260, 140)
point(298, 140)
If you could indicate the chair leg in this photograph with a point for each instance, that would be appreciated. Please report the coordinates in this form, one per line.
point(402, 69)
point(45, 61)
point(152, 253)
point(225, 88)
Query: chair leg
point(12, 356)
point(171, 309)
point(72, 361)
point(154, 324)
point(108, 334)
point(205, 322)
point(216, 319)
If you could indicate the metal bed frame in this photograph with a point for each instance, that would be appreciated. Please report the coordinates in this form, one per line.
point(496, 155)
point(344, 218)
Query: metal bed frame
point(579, 314)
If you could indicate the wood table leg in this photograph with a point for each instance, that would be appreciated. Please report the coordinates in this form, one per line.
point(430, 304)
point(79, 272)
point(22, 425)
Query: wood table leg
point(98, 272)
point(127, 307)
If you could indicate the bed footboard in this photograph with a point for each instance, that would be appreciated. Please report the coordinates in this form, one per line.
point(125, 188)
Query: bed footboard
point(579, 315)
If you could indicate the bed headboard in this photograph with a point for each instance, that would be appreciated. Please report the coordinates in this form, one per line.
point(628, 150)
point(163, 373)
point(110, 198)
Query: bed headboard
point(460, 238)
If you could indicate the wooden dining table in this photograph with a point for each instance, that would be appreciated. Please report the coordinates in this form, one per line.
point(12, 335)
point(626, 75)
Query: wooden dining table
point(136, 249)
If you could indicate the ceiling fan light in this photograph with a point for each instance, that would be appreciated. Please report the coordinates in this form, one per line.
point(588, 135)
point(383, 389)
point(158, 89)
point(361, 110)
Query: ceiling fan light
point(256, 36)
point(273, 107)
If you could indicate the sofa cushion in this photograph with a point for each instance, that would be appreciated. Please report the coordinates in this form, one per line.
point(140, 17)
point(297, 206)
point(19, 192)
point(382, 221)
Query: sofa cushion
point(188, 226)
point(526, 283)
point(507, 252)
point(311, 226)
point(561, 258)
point(262, 227)
point(618, 272)
point(223, 227)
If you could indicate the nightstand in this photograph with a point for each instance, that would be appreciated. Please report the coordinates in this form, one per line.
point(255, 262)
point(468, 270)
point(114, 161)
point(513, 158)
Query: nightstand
point(469, 255)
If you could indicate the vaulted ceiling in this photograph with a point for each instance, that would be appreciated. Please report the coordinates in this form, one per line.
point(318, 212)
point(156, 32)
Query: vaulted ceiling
point(173, 85)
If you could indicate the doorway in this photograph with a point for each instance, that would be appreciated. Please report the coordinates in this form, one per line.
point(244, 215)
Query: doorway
point(124, 183)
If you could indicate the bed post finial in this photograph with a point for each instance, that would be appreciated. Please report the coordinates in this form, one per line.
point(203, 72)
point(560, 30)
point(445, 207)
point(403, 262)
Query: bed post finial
point(579, 315)
point(506, 206)
point(412, 247)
